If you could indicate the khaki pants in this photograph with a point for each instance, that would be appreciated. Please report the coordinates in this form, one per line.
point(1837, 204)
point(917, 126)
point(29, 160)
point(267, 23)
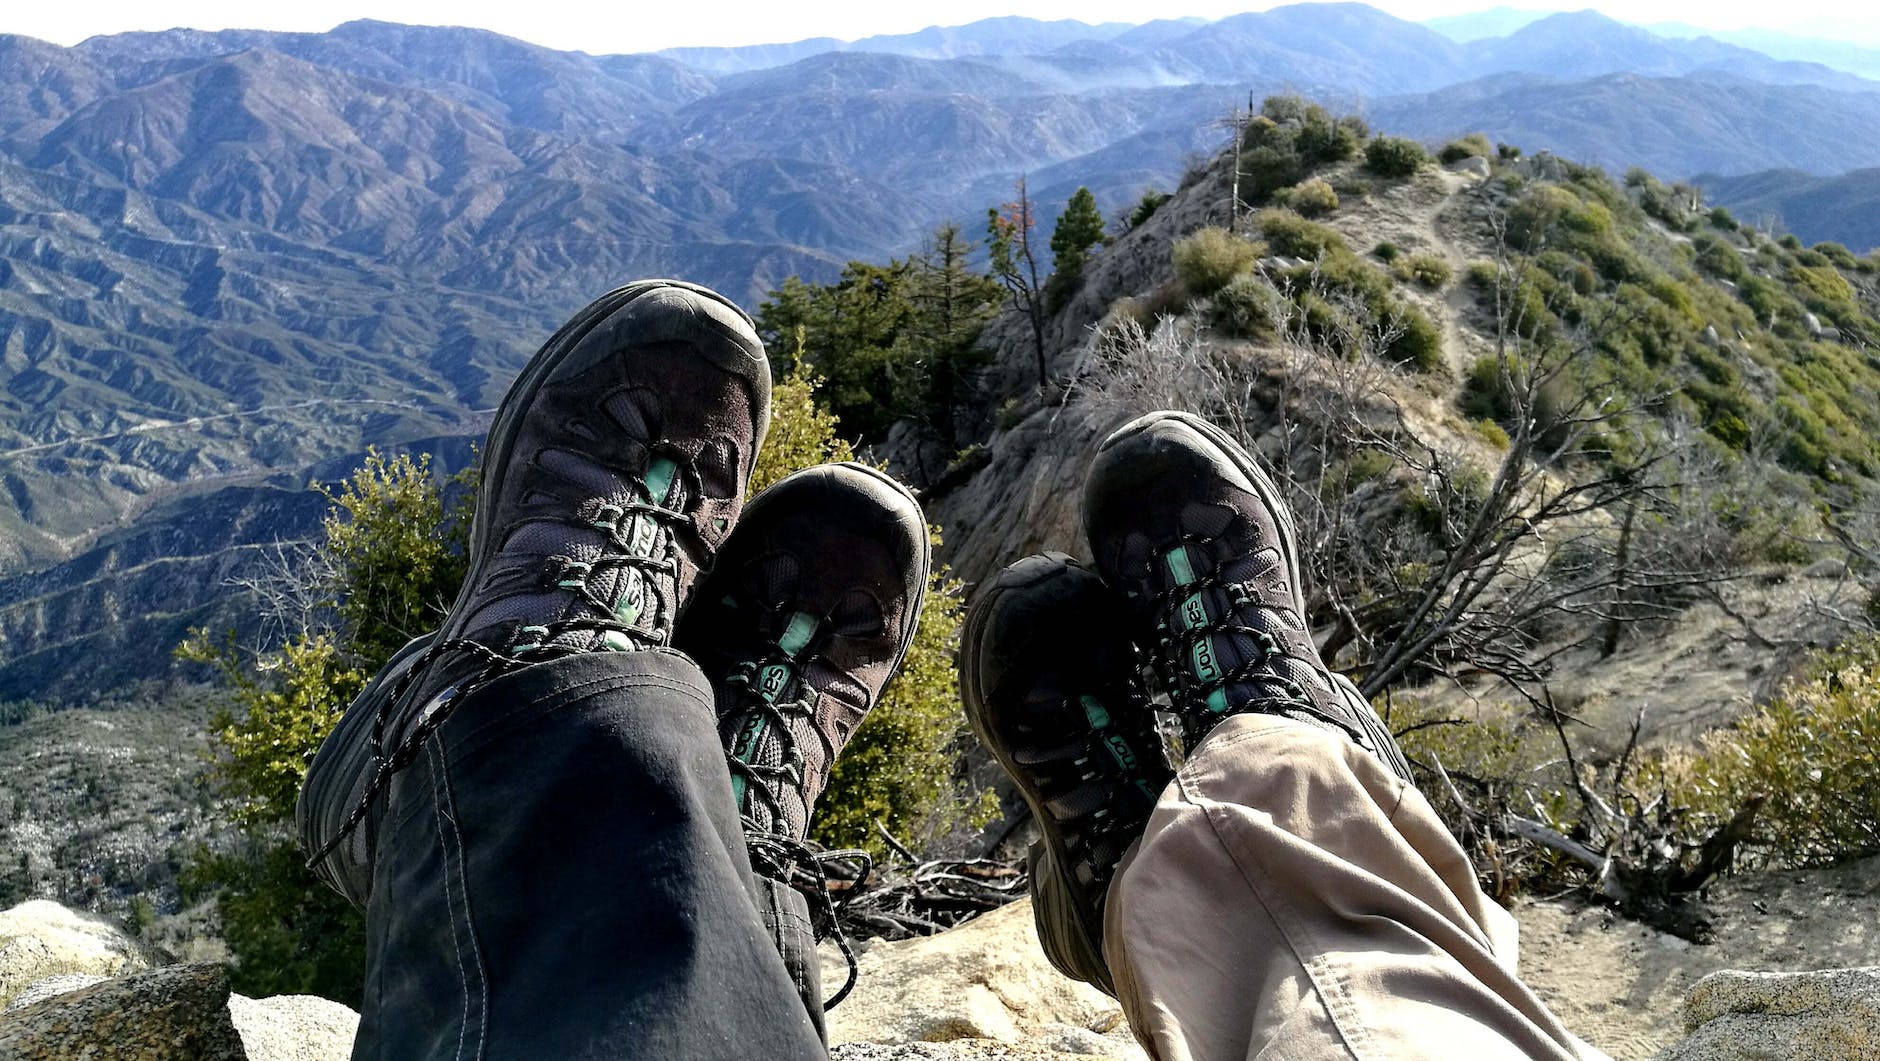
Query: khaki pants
point(1291, 898)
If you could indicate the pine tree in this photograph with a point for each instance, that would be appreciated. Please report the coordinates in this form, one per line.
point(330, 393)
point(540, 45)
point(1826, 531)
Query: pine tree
point(1079, 228)
point(951, 307)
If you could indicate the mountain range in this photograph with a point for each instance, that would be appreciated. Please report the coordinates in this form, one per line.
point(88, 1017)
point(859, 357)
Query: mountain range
point(231, 261)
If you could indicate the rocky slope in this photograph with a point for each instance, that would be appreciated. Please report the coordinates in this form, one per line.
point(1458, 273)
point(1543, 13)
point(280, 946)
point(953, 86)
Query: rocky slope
point(1013, 491)
point(231, 260)
point(73, 984)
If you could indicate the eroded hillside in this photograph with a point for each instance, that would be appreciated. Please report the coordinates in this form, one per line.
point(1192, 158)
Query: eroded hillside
point(1739, 364)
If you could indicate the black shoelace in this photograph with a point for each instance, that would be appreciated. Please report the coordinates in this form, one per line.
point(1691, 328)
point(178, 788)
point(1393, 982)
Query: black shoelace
point(774, 852)
point(1190, 693)
point(803, 865)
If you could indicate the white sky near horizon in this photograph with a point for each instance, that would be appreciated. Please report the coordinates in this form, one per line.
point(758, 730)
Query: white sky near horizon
point(585, 26)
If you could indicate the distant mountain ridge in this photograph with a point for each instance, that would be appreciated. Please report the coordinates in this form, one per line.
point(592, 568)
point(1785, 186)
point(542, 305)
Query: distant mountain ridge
point(1793, 201)
point(231, 261)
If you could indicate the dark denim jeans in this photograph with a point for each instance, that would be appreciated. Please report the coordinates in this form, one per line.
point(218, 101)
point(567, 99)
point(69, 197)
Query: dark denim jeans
point(561, 874)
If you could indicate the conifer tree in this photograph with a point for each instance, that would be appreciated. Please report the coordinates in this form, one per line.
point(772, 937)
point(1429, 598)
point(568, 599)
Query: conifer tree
point(1079, 228)
point(952, 304)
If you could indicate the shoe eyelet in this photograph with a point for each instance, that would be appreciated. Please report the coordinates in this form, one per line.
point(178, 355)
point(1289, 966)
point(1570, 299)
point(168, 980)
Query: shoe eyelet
point(573, 575)
point(535, 633)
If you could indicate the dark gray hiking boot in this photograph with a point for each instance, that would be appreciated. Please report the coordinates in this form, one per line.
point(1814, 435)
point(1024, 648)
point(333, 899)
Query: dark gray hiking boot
point(1048, 677)
point(805, 619)
point(1184, 523)
point(613, 472)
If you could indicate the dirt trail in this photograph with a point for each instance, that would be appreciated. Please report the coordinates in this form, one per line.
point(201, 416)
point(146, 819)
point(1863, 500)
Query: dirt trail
point(1621, 986)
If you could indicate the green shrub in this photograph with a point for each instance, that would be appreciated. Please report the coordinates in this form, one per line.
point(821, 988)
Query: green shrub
point(1482, 739)
point(1269, 167)
point(1323, 142)
point(1419, 343)
point(1146, 207)
point(1393, 156)
point(1837, 255)
point(1822, 286)
point(1492, 432)
point(1325, 322)
point(1547, 206)
point(1206, 259)
point(1313, 198)
point(1424, 270)
point(1288, 140)
point(1767, 299)
point(1569, 270)
point(1507, 152)
point(1386, 252)
point(1489, 393)
point(1286, 107)
point(1293, 236)
point(1719, 259)
point(1474, 145)
point(1364, 466)
point(1809, 755)
point(1721, 217)
point(1247, 308)
point(287, 933)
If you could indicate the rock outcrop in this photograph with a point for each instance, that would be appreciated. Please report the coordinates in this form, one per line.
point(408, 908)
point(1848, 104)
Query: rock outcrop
point(75, 985)
point(980, 992)
point(1832, 1015)
point(984, 986)
point(41, 939)
point(175, 1012)
point(294, 1027)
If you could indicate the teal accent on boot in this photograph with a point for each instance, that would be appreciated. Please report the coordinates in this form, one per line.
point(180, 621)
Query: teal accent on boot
point(1217, 701)
point(632, 598)
point(642, 535)
point(1099, 718)
point(1120, 751)
point(1204, 664)
point(659, 476)
point(772, 680)
point(1179, 568)
point(744, 749)
point(802, 627)
point(1194, 612)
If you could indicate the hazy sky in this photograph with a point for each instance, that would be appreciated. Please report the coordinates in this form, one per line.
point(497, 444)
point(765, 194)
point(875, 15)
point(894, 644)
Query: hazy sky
point(643, 25)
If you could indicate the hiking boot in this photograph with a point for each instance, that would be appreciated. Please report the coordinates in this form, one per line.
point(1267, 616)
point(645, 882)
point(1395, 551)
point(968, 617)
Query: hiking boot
point(1049, 681)
point(614, 469)
point(802, 624)
point(808, 614)
point(1195, 535)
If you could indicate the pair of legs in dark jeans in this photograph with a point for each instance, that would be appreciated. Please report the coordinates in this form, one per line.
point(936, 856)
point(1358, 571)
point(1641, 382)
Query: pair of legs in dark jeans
point(573, 814)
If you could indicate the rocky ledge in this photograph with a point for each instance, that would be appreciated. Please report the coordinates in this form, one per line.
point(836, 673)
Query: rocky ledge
point(76, 985)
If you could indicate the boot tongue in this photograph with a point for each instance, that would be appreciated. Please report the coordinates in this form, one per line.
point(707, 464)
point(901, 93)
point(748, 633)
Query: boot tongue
point(758, 742)
point(553, 564)
point(636, 593)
